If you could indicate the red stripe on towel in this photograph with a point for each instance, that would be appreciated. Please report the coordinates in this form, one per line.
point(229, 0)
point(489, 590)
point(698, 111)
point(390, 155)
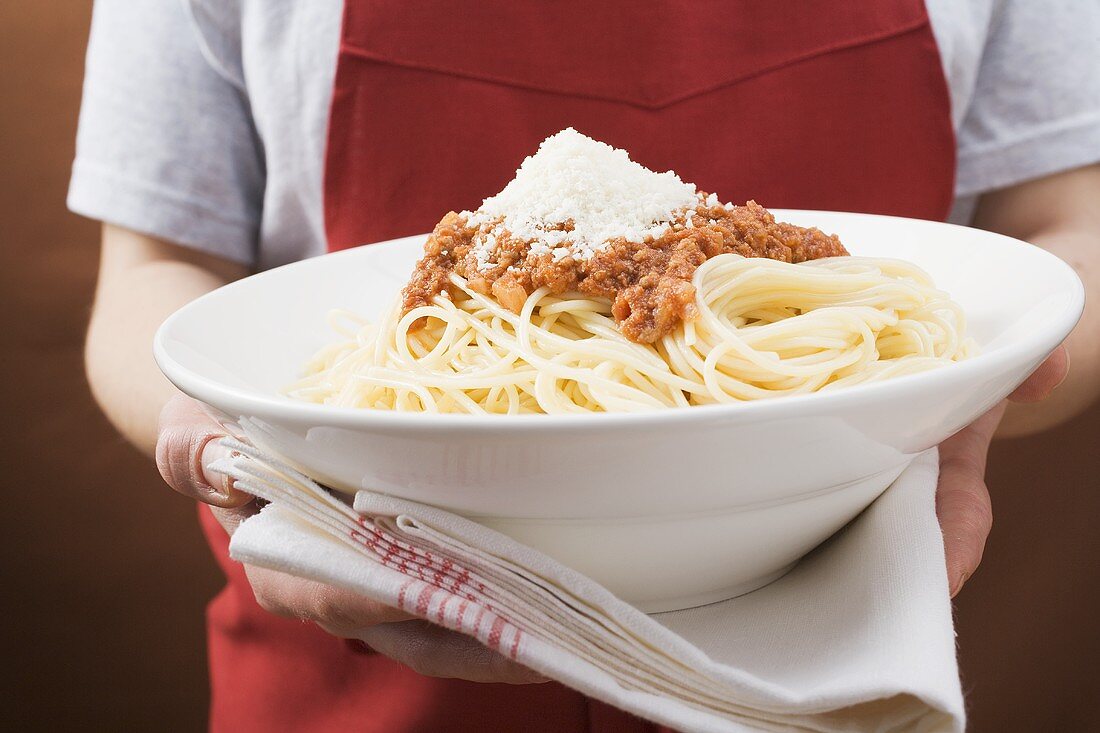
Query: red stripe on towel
point(424, 599)
point(494, 633)
point(514, 652)
point(461, 614)
point(401, 594)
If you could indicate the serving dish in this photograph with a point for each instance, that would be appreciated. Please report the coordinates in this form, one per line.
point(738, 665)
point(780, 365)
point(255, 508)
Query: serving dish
point(668, 509)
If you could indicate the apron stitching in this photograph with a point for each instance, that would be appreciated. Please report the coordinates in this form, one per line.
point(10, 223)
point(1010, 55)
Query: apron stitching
point(859, 41)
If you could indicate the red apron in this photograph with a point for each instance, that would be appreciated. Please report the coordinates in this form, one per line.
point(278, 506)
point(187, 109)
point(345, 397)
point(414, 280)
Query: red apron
point(802, 104)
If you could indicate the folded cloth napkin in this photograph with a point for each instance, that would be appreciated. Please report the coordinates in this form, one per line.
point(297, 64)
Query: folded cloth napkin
point(858, 637)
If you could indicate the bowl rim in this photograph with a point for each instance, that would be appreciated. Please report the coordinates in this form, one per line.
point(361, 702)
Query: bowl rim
point(247, 402)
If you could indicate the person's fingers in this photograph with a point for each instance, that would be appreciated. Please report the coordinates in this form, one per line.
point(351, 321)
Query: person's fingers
point(1045, 379)
point(963, 504)
point(230, 519)
point(426, 648)
point(186, 444)
point(437, 652)
point(339, 612)
point(966, 518)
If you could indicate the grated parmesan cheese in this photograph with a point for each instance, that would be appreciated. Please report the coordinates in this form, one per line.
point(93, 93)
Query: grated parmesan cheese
point(575, 178)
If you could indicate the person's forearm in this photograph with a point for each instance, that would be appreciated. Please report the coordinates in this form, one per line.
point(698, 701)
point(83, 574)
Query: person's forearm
point(1062, 215)
point(142, 281)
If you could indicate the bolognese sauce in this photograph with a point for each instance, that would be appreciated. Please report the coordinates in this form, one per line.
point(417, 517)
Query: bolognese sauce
point(648, 282)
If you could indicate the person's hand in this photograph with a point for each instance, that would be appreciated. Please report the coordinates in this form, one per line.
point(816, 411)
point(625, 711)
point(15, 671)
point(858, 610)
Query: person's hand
point(962, 500)
point(188, 442)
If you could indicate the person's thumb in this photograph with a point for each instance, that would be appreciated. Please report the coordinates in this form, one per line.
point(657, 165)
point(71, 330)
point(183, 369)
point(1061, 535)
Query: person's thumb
point(187, 444)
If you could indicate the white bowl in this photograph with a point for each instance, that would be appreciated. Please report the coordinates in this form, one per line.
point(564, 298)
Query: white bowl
point(668, 509)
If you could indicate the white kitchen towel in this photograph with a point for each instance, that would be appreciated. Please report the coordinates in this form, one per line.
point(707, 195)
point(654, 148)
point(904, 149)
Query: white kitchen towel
point(858, 637)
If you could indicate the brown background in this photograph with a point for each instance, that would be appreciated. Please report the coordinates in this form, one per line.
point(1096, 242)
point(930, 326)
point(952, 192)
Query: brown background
point(105, 575)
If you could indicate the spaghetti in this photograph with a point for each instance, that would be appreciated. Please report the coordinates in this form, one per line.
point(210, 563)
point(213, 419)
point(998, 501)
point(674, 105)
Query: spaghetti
point(764, 329)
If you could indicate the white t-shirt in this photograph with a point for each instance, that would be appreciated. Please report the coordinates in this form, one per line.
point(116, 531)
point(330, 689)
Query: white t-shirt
point(204, 121)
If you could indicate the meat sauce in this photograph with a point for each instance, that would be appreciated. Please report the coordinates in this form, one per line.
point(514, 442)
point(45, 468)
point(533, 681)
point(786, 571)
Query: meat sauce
point(648, 283)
